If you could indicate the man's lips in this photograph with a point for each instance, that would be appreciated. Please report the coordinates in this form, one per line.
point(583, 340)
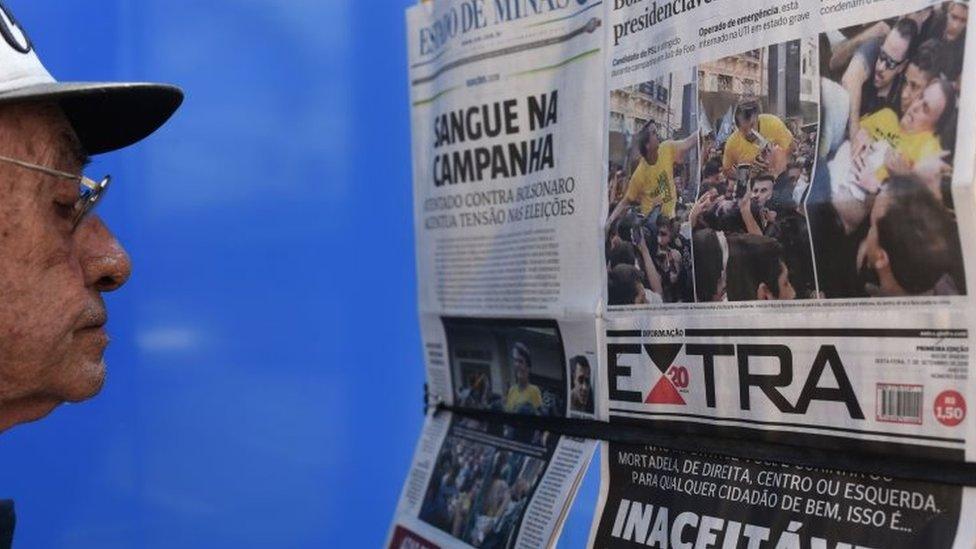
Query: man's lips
point(92, 318)
point(91, 328)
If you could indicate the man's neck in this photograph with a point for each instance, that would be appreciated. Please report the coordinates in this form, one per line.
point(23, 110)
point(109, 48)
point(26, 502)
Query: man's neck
point(24, 410)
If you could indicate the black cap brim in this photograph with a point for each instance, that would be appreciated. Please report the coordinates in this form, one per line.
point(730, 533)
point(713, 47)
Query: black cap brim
point(106, 115)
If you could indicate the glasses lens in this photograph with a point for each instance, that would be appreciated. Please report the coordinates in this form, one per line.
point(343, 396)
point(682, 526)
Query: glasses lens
point(889, 62)
point(90, 193)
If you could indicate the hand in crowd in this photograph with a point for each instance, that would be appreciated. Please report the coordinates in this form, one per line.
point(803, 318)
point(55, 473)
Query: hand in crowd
point(777, 161)
point(653, 278)
point(761, 162)
point(672, 264)
point(705, 202)
point(864, 176)
point(896, 163)
point(860, 143)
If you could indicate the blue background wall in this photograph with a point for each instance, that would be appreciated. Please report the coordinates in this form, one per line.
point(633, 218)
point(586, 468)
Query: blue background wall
point(265, 372)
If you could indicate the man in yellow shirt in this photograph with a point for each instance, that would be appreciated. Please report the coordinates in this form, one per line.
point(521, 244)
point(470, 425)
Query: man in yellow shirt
point(886, 146)
point(523, 397)
point(753, 131)
point(652, 183)
point(901, 145)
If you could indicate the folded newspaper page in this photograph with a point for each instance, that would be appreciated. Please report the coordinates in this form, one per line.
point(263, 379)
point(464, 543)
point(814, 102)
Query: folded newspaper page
point(743, 225)
point(506, 97)
point(480, 485)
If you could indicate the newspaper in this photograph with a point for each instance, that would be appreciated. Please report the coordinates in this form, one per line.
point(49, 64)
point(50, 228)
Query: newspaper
point(480, 485)
point(504, 97)
point(707, 219)
point(812, 286)
point(808, 281)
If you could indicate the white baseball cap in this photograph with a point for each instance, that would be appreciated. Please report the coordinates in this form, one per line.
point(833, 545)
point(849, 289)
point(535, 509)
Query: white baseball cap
point(105, 115)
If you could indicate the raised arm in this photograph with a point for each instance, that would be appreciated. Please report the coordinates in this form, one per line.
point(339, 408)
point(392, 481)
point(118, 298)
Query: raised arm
point(684, 145)
point(854, 77)
point(844, 52)
point(618, 211)
point(650, 271)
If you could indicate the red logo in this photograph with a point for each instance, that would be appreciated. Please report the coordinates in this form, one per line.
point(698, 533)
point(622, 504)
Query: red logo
point(666, 389)
point(405, 539)
point(950, 408)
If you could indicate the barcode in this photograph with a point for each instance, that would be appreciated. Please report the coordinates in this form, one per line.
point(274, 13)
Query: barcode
point(900, 403)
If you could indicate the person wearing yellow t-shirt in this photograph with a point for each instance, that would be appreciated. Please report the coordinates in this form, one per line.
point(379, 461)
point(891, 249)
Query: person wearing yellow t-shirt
point(523, 397)
point(887, 145)
point(652, 183)
point(752, 130)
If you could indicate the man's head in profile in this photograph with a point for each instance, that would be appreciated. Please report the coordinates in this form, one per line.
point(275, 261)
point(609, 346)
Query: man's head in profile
point(56, 257)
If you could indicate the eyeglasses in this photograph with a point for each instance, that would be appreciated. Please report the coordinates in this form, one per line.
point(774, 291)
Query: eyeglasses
point(90, 192)
point(888, 61)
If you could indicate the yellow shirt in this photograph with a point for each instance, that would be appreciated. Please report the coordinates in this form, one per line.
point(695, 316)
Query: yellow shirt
point(517, 397)
point(653, 184)
point(884, 126)
point(739, 150)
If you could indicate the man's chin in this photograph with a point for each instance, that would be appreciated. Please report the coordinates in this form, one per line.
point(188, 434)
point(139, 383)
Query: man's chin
point(85, 382)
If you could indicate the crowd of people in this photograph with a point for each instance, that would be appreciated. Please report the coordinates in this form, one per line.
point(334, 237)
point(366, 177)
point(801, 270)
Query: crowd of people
point(478, 492)
point(881, 211)
point(750, 231)
point(648, 240)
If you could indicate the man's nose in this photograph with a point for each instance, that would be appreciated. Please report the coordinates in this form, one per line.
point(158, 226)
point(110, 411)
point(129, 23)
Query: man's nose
point(104, 262)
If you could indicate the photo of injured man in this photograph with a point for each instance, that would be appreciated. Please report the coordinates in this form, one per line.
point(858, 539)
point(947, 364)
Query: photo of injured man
point(880, 206)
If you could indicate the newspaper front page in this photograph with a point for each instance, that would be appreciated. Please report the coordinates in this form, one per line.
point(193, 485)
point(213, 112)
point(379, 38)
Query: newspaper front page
point(804, 219)
point(506, 97)
point(809, 284)
point(727, 222)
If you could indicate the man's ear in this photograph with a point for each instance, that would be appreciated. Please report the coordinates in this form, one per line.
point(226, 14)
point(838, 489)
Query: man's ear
point(763, 293)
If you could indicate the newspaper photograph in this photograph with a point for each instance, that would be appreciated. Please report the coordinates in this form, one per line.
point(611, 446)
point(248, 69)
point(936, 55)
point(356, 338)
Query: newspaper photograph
point(474, 484)
point(711, 153)
point(757, 159)
point(480, 484)
point(653, 497)
point(521, 366)
point(653, 176)
point(883, 215)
